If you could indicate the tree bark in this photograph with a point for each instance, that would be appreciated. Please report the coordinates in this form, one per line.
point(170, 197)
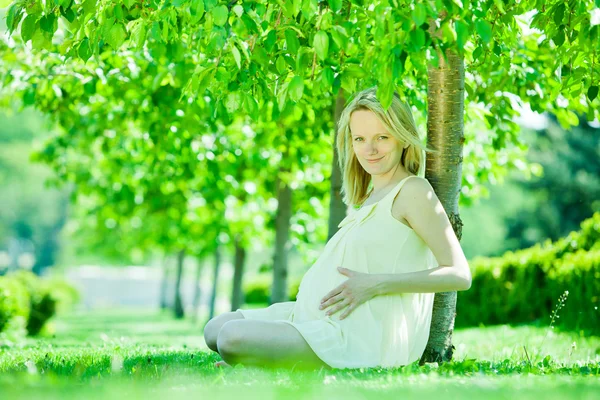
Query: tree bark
point(282, 233)
point(197, 289)
point(164, 283)
point(237, 295)
point(337, 208)
point(213, 296)
point(444, 172)
point(178, 306)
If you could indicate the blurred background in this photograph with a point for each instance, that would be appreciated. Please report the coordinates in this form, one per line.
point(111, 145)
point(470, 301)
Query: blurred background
point(40, 230)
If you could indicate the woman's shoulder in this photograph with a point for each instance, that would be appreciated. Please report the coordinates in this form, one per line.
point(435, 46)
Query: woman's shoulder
point(414, 191)
point(416, 188)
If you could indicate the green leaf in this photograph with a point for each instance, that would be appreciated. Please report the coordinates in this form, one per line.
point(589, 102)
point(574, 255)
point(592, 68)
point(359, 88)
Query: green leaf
point(291, 41)
point(29, 97)
point(69, 15)
point(15, 12)
point(137, 35)
point(47, 23)
point(448, 32)
point(321, 44)
point(296, 88)
point(339, 36)
point(327, 78)
point(89, 7)
point(419, 14)
point(251, 106)
point(270, 40)
point(484, 29)
point(281, 97)
point(119, 12)
point(33, 8)
point(238, 10)
point(196, 10)
point(220, 15)
point(559, 14)
point(559, 38)
point(281, 65)
point(84, 50)
point(385, 91)
point(39, 41)
point(233, 102)
point(572, 118)
point(128, 3)
point(355, 70)
point(335, 5)
point(116, 36)
point(500, 6)
point(28, 27)
point(417, 39)
point(348, 83)
point(592, 92)
point(462, 33)
point(236, 56)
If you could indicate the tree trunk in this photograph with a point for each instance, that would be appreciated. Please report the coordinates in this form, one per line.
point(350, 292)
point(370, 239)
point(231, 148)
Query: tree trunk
point(282, 232)
point(197, 289)
point(178, 306)
point(237, 295)
point(164, 283)
point(213, 296)
point(444, 172)
point(337, 208)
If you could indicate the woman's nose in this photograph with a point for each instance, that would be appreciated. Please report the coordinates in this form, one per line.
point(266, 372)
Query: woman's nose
point(371, 149)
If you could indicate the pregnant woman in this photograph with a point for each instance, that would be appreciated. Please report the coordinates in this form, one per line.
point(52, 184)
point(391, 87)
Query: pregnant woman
point(367, 300)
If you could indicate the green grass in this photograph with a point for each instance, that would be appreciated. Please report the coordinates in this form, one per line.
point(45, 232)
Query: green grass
point(113, 354)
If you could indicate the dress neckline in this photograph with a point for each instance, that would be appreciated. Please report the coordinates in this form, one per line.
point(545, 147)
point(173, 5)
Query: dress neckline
point(387, 194)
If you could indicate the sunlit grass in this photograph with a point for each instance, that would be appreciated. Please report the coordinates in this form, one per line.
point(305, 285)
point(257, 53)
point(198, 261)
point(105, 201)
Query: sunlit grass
point(149, 355)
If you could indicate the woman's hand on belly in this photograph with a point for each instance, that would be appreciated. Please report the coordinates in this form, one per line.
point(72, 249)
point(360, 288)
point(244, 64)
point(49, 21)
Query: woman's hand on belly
point(356, 290)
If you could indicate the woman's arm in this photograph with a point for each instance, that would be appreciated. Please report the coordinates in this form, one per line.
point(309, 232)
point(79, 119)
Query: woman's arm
point(439, 279)
point(427, 217)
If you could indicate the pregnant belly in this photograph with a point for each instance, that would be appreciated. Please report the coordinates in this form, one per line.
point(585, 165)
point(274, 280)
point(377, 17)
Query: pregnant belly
point(319, 280)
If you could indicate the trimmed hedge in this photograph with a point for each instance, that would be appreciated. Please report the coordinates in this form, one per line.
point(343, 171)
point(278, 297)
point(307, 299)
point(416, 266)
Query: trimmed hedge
point(14, 302)
point(524, 286)
point(258, 290)
point(35, 300)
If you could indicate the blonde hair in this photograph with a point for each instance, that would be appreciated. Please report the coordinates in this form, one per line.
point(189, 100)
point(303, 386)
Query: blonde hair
point(398, 121)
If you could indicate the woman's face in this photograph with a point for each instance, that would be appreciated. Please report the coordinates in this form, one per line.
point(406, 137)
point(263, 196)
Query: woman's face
point(371, 141)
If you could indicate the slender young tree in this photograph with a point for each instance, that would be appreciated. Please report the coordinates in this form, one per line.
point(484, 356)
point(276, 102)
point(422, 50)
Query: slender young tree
point(178, 309)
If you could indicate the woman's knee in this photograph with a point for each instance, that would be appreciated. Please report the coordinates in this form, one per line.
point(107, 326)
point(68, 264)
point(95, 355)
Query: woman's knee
point(230, 338)
point(213, 327)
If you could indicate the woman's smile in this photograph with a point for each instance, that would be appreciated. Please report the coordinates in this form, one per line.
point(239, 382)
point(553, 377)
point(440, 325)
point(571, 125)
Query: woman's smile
point(375, 160)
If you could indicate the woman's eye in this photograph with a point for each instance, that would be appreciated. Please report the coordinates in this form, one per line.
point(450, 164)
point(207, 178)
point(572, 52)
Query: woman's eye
point(356, 139)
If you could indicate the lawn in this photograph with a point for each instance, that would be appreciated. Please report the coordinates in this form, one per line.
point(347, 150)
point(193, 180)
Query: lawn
point(145, 354)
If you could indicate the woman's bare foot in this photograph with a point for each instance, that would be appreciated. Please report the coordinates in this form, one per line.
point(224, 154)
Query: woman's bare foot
point(222, 364)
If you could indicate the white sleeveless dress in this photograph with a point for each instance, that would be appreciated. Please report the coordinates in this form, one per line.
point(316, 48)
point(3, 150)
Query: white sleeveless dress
point(386, 331)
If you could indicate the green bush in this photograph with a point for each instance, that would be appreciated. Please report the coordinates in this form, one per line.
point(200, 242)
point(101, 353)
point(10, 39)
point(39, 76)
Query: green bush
point(64, 293)
point(524, 286)
point(14, 301)
point(42, 300)
point(258, 290)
